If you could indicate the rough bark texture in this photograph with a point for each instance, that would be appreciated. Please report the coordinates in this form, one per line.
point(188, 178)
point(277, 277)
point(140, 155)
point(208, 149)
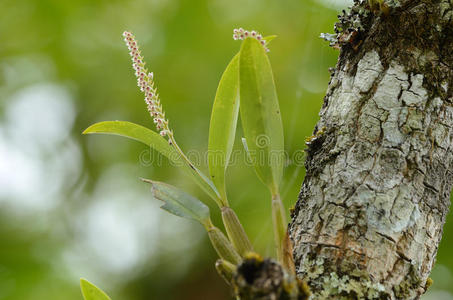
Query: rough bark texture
point(379, 169)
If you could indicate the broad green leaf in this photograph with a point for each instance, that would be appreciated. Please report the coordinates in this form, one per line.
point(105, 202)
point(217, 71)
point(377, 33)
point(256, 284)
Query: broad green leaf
point(92, 292)
point(157, 142)
point(222, 128)
point(178, 202)
point(138, 133)
point(260, 113)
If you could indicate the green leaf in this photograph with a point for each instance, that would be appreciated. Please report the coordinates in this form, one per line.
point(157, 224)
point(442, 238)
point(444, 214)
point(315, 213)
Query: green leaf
point(260, 114)
point(157, 142)
point(269, 38)
point(138, 133)
point(222, 128)
point(178, 202)
point(92, 292)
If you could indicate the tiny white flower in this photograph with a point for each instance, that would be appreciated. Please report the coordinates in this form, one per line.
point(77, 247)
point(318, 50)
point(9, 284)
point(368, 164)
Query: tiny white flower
point(241, 34)
point(146, 84)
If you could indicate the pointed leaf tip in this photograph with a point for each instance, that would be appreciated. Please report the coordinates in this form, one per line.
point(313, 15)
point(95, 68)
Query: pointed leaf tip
point(269, 38)
point(92, 292)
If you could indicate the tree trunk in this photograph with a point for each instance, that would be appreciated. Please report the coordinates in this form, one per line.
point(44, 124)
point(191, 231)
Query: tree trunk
point(371, 210)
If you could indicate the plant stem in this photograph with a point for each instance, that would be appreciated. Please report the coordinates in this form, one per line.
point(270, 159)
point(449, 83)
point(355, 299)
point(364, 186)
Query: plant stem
point(235, 231)
point(225, 269)
point(280, 225)
point(233, 226)
point(208, 187)
point(222, 245)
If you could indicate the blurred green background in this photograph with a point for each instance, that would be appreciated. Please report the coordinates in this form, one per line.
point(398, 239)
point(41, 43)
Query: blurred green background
point(72, 206)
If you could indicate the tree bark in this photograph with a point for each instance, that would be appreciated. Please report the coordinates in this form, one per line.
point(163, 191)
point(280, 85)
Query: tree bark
point(372, 206)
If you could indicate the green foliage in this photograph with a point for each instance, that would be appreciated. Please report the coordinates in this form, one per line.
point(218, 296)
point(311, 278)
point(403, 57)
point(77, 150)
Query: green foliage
point(92, 292)
point(138, 133)
point(246, 85)
point(179, 203)
point(260, 114)
point(222, 128)
point(269, 38)
point(157, 142)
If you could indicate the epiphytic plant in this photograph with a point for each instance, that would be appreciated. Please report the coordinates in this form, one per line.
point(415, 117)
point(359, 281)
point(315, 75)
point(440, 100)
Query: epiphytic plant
point(247, 86)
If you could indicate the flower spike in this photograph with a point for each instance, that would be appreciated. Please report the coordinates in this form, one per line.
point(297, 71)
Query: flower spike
point(242, 34)
point(145, 81)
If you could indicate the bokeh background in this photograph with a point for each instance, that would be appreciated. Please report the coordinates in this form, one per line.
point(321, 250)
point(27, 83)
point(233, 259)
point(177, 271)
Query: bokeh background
point(72, 206)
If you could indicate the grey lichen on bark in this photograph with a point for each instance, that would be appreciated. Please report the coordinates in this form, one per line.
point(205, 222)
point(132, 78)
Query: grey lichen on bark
point(371, 210)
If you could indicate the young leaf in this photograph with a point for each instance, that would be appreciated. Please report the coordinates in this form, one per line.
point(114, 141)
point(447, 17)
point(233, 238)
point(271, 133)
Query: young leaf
point(154, 140)
point(223, 124)
point(92, 292)
point(260, 113)
point(178, 202)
